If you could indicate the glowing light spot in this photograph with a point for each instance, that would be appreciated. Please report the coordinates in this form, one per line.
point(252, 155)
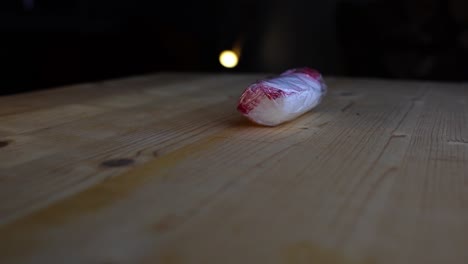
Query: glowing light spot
point(228, 59)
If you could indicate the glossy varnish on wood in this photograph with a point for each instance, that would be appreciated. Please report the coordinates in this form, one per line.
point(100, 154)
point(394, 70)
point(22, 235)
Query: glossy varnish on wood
point(162, 169)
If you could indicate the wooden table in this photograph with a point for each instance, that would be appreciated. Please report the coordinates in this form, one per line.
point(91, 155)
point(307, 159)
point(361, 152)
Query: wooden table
point(162, 169)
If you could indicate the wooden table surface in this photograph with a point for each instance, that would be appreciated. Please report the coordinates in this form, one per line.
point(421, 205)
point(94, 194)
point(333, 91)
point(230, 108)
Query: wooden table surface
point(162, 169)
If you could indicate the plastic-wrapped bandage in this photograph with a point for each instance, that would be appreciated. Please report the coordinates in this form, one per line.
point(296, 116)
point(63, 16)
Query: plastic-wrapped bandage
point(273, 101)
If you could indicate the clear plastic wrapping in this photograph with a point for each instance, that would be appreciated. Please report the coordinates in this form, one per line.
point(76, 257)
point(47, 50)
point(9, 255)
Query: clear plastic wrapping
point(273, 101)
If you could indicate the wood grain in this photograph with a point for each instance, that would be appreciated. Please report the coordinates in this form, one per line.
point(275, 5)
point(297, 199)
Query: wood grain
point(161, 169)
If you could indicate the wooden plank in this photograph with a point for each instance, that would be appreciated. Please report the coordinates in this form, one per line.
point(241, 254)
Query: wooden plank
point(43, 119)
point(38, 143)
point(76, 94)
point(121, 113)
point(375, 174)
point(118, 134)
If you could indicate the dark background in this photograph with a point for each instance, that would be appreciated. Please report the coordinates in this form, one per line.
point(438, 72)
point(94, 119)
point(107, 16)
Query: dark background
point(48, 43)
